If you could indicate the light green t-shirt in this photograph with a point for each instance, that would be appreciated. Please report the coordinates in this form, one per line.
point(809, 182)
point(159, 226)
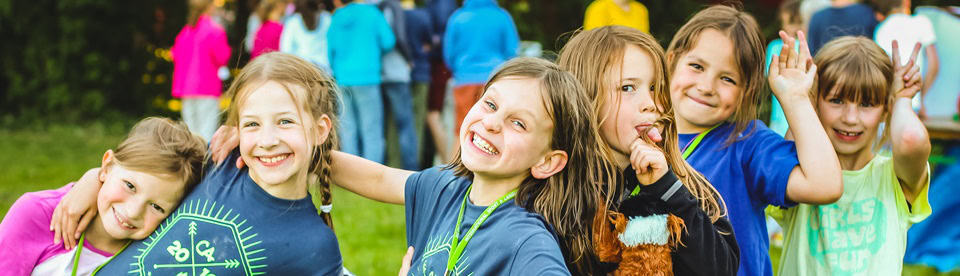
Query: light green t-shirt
point(863, 233)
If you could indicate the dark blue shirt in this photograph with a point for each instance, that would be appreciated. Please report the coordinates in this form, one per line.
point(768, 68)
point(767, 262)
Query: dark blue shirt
point(512, 241)
point(419, 34)
point(827, 24)
point(230, 226)
point(749, 174)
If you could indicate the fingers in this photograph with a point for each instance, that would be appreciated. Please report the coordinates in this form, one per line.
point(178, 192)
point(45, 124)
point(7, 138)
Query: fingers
point(69, 228)
point(791, 55)
point(215, 145)
point(805, 55)
point(84, 222)
point(774, 67)
point(240, 163)
point(55, 224)
point(895, 48)
point(913, 55)
point(405, 263)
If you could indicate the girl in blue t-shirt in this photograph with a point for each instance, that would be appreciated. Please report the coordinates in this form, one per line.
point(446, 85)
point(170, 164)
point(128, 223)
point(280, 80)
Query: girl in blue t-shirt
point(246, 220)
point(624, 72)
point(532, 137)
point(716, 66)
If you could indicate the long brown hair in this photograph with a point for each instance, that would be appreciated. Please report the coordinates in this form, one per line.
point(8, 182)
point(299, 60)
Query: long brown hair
point(860, 71)
point(591, 55)
point(568, 199)
point(313, 91)
point(742, 29)
point(196, 8)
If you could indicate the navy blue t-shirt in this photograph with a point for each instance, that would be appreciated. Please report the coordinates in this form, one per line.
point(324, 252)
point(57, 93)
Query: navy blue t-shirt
point(230, 226)
point(749, 174)
point(830, 23)
point(419, 33)
point(512, 241)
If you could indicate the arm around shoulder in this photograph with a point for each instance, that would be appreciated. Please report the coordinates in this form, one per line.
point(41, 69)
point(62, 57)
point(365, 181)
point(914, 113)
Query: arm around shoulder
point(368, 179)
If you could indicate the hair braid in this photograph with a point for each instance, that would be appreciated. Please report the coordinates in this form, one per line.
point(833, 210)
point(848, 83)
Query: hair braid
point(326, 197)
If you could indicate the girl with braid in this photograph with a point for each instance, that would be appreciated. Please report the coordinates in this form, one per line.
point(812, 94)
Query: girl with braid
point(259, 219)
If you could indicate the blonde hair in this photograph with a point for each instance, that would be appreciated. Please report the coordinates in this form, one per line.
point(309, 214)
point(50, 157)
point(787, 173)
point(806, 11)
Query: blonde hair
point(312, 90)
point(267, 6)
point(591, 55)
point(567, 200)
point(743, 31)
point(860, 71)
point(196, 8)
point(163, 147)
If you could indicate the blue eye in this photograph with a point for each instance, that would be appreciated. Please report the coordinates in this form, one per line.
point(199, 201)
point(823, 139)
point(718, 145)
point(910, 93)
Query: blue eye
point(158, 208)
point(130, 186)
point(696, 66)
point(628, 88)
point(519, 124)
point(729, 80)
point(835, 101)
point(285, 121)
point(251, 124)
point(490, 105)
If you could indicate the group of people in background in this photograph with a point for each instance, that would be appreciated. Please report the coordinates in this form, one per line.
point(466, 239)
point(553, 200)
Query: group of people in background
point(618, 157)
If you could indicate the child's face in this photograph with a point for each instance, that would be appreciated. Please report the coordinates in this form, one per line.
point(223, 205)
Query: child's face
point(705, 85)
point(273, 140)
point(851, 126)
point(507, 131)
point(636, 111)
point(132, 204)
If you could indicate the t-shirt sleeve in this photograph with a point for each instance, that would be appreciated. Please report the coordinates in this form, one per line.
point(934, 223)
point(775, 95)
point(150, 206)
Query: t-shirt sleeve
point(920, 209)
point(418, 190)
point(25, 233)
point(925, 29)
point(768, 160)
point(539, 255)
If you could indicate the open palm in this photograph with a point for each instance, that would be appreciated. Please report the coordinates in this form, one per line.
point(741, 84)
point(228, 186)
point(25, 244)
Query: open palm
point(791, 73)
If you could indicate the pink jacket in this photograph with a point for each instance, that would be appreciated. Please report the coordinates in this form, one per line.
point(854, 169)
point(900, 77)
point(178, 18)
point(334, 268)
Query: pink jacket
point(267, 39)
point(198, 53)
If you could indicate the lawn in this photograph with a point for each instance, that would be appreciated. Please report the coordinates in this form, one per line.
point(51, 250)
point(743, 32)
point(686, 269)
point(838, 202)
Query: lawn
point(371, 234)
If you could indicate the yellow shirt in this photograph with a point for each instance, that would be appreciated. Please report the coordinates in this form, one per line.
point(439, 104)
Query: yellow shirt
point(605, 13)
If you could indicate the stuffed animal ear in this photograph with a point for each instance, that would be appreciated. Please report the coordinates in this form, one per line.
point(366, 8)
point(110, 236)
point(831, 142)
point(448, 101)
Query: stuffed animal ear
point(606, 244)
point(676, 228)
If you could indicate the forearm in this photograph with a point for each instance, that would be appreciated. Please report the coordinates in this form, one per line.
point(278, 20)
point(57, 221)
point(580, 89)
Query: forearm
point(819, 178)
point(367, 178)
point(910, 143)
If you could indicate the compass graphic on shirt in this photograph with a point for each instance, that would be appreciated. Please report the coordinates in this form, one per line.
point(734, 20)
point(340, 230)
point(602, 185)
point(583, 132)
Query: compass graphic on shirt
point(203, 239)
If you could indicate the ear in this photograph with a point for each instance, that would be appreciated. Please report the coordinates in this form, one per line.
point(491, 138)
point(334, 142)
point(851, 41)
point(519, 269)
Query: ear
point(670, 57)
point(552, 163)
point(323, 125)
point(105, 165)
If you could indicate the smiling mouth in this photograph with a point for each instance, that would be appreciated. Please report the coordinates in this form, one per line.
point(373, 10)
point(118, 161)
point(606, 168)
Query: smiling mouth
point(274, 160)
point(483, 145)
point(122, 222)
point(847, 135)
point(699, 101)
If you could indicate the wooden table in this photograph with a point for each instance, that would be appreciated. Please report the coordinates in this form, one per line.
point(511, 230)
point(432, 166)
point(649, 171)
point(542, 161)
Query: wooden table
point(943, 128)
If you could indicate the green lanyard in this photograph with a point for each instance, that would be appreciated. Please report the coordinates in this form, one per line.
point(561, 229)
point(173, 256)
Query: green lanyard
point(687, 151)
point(76, 256)
point(456, 248)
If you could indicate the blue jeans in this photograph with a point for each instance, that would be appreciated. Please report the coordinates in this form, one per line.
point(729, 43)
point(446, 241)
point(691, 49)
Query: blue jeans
point(400, 103)
point(361, 122)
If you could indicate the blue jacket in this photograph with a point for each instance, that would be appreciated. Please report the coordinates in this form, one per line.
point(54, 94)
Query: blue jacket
point(419, 34)
point(479, 37)
point(358, 37)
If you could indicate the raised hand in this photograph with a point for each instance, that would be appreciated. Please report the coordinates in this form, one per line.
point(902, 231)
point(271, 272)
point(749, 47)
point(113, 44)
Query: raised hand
point(647, 160)
point(791, 73)
point(906, 77)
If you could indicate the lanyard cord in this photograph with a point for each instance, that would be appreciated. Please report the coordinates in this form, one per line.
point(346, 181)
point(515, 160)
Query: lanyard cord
point(457, 247)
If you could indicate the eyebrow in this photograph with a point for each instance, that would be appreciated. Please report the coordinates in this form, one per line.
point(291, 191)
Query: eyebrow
point(273, 114)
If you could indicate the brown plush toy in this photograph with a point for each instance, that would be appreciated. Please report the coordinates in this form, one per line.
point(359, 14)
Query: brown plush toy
point(640, 244)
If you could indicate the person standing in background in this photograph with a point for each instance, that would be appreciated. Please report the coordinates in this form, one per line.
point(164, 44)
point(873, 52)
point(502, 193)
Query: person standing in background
point(358, 37)
point(267, 38)
point(395, 75)
point(420, 43)
point(479, 37)
point(440, 11)
point(198, 51)
point(628, 13)
point(305, 33)
point(842, 18)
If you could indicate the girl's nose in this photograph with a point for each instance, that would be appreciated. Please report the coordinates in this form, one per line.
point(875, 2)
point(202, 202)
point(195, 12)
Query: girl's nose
point(267, 138)
point(850, 113)
point(492, 122)
point(705, 84)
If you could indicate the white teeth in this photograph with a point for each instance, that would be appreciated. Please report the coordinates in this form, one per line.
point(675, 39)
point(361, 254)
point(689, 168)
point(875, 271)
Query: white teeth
point(483, 145)
point(848, 133)
point(273, 159)
point(127, 225)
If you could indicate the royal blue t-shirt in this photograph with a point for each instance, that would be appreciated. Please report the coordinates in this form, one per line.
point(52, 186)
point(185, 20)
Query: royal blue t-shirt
point(512, 241)
point(749, 174)
point(230, 226)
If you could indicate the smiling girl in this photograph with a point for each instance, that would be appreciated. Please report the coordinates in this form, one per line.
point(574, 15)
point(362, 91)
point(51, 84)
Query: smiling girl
point(858, 89)
point(143, 182)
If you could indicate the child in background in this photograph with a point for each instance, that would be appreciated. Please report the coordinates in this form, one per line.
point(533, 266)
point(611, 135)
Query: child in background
point(716, 67)
point(143, 182)
point(842, 18)
point(199, 50)
point(529, 161)
point(865, 232)
point(267, 38)
point(305, 33)
point(628, 13)
point(624, 72)
point(790, 22)
point(420, 40)
point(897, 24)
point(260, 219)
point(358, 37)
point(395, 77)
point(479, 37)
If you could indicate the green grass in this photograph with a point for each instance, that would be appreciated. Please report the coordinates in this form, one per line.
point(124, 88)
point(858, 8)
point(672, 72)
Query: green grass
point(371, 234)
